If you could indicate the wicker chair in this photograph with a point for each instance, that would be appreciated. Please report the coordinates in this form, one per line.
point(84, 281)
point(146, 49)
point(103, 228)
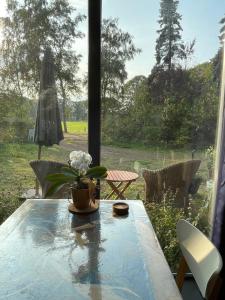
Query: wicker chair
point(41, 169)
point(175, 179)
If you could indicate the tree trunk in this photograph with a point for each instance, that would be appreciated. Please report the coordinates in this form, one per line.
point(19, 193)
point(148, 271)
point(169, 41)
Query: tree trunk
point(64, 115)
point(63, 106)
point(169, 65)
point(170, 47)
point(104, 87)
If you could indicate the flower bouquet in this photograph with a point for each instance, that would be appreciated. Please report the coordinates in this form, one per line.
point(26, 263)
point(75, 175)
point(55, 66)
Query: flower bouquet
point(78, 177)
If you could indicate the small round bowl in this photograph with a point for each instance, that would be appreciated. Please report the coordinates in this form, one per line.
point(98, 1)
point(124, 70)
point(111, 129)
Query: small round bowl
point(120, 208)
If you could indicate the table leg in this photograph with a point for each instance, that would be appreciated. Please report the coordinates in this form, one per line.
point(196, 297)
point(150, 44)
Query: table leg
point(120, 194)
point(113, 191)
point(114, 188)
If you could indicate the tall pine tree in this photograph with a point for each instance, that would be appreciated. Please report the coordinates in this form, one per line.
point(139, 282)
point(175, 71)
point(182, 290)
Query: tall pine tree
point(218, 58)
point(169, 44)
point(222, 30)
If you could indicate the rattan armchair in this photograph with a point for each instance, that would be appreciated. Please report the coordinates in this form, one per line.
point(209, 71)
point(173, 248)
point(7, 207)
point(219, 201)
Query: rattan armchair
point(41, 169)
point(175, 179)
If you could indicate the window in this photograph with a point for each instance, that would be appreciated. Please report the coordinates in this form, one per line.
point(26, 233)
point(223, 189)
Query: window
point(161, 69)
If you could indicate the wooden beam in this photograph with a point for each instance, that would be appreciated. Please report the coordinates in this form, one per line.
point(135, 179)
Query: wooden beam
point(94, 79)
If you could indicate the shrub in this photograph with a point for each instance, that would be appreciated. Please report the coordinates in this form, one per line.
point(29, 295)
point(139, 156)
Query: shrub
point(210, 156)
point(164, 217)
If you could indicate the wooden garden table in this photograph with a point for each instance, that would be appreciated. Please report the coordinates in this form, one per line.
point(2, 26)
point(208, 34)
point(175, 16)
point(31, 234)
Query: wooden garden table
point(119, 181)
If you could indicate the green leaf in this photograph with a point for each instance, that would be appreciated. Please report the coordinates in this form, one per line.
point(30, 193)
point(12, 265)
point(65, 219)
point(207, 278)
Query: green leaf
point(97, 172)
point(60, 177)
point(54, 189)
point(70, 171)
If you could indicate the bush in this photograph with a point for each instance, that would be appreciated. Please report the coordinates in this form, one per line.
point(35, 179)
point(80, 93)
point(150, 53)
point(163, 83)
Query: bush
point(210, 154)
point(164, 217)
point(16, 117)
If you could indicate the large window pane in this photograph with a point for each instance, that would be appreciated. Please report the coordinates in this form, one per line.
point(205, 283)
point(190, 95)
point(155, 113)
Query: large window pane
point(28, 28)
point(160, 105)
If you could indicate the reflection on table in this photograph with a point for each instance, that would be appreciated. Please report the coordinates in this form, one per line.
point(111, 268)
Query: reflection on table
point(48, 253)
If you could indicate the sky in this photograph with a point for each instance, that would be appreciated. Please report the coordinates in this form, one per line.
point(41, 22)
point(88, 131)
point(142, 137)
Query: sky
point(200, 21)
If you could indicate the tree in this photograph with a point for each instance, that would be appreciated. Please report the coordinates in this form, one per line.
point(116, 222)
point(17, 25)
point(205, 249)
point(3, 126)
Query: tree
point(63, 35)
point(117, 49)
point(31, 26)
point(217, 66)
point(78, 110)
point(218, 58)
point(189, 117)
point(169, 45)
point(141, 115)
point(134, 89)
point(168, 76)
point(222, 29)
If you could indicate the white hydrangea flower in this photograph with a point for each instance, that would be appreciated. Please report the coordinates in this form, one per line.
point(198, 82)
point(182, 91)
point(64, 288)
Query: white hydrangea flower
point(81, 161)
point(75, 154)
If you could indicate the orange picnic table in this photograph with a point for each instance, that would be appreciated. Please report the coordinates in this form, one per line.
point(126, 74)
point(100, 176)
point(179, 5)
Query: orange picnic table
point(119, 181)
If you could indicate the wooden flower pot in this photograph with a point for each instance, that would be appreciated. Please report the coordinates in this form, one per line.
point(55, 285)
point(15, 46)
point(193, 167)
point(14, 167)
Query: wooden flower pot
point(81, 198)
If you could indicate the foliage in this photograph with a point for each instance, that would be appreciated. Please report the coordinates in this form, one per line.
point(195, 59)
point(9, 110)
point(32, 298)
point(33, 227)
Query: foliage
point(173, 117)
point(181, 85)
point(78, 110)
point(217, 66)
point(210, 155)
point(190, 112)
point(15, 117)
point(218, 58)
point(169, 46)
point(117, 48)
point(198, 211)
point(30, 27)
point(150, 114)
point(174, 106)
point(222, 29)
point(205, 104)
point(164, 217)
point(133, 122)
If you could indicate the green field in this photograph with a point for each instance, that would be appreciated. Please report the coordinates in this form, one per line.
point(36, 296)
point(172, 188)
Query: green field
point(80, 127)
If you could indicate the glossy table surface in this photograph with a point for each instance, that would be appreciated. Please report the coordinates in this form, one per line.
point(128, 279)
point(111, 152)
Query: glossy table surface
point(48, 253)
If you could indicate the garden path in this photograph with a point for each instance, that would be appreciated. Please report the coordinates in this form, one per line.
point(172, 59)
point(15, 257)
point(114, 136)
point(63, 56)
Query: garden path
point(118, 157)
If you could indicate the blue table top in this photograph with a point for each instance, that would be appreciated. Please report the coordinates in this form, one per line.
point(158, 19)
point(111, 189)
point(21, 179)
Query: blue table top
point(48, 253)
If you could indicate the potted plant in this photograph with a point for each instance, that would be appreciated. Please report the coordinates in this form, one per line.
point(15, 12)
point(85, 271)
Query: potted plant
point(78, 177)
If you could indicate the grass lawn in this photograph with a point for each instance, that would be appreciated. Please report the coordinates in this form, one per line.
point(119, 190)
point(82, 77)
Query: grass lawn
point(17, 176)
point(80, 127)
